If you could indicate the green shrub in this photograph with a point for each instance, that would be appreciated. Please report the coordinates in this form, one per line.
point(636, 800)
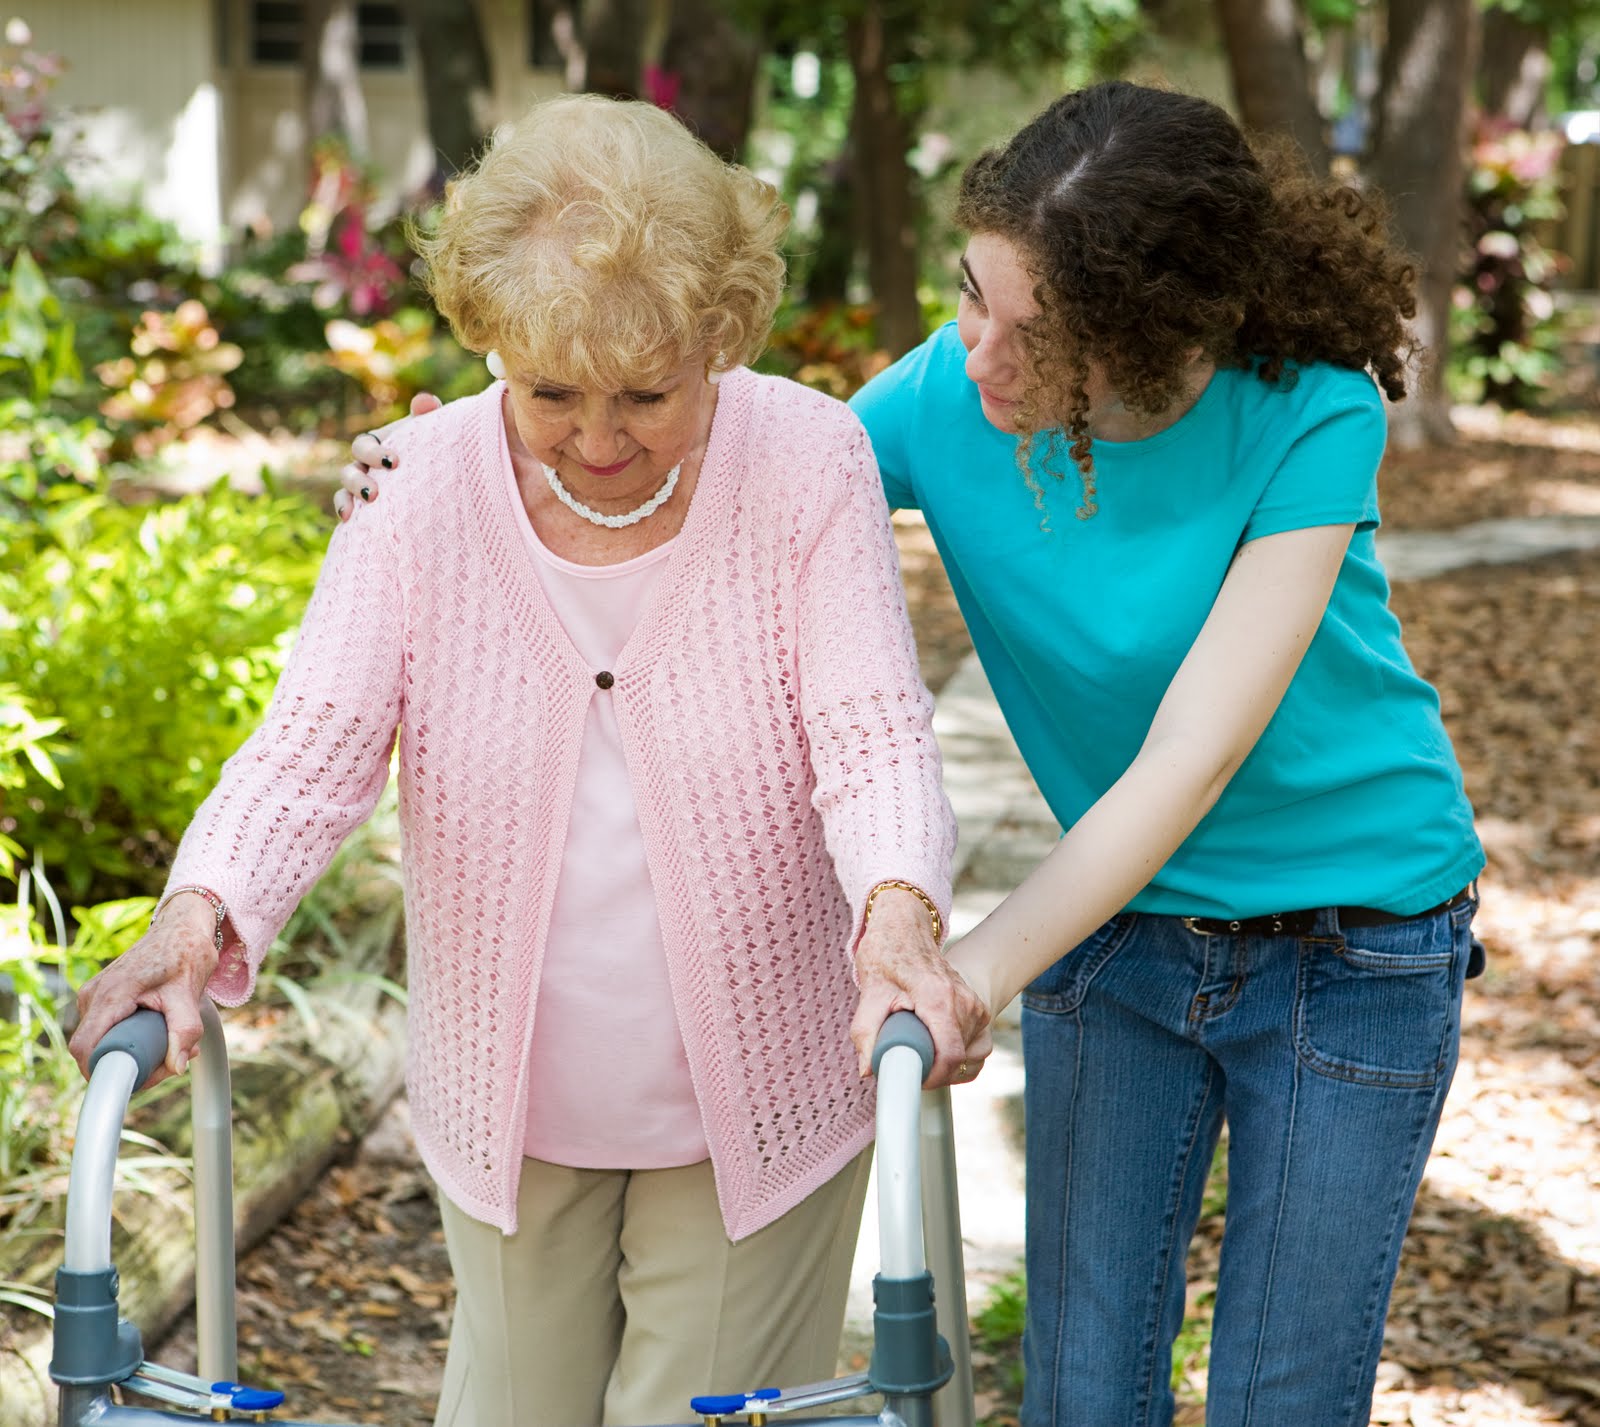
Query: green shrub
point(24, 756)
point(43, 442)
point(39, 1083)
point(155, 636)
point(36, 1074)
point(37, 201)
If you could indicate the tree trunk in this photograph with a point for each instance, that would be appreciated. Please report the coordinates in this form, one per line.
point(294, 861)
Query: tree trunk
point(833, 253)
point(1514, 69)
point(1418, 161)
point(612, 38)
point(880, 140)
point(455, 77)
point(710, 63)
point(334, 103)
point(1265, 40)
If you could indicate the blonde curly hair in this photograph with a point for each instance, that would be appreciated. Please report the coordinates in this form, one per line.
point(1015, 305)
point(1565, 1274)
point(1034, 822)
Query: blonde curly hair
point(600, 244)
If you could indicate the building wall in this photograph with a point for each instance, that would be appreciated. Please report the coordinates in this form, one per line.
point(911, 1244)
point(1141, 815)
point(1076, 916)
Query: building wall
point(172, 107)
point(265, 139)
point(140, 80)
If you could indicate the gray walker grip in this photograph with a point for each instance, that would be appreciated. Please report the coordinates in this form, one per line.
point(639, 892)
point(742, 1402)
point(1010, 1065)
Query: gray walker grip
point(143, 1035)
point(903, 1028)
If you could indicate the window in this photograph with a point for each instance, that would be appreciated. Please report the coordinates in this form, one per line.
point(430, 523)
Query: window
point(277, 31)
point(380, 36)
point(278, 34)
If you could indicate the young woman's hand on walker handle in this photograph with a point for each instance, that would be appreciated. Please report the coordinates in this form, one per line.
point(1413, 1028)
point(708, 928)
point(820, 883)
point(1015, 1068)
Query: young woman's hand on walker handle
point(166, 970)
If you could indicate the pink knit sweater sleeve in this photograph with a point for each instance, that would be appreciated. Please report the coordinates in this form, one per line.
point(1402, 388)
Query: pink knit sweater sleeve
point(317, 764)
point(868, 715)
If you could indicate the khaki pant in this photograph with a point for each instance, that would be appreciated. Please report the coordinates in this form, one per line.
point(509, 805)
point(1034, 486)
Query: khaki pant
point(620, 1297)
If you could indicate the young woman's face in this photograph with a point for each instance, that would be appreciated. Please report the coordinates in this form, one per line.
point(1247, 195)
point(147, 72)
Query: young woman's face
point(996, 300)
point(612, 446)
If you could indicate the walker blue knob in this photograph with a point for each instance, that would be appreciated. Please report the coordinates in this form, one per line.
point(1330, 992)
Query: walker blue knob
point(248, 1399)
point(725, 1406)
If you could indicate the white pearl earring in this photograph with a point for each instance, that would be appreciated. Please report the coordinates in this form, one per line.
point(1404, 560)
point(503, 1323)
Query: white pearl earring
point(496, 366)
point(715, 373)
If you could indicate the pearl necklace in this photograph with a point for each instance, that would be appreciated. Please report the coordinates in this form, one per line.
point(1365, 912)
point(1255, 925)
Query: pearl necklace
point(612, 522)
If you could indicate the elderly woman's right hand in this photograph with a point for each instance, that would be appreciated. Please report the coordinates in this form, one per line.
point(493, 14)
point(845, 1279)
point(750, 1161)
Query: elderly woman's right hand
point(367, 453)
point(166, 970)
point(899, 967)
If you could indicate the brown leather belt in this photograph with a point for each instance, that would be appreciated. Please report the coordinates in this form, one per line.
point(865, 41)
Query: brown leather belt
point(1304, 923)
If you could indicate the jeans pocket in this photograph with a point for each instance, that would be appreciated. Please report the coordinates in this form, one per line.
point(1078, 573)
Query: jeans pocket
point(1060, 988)
point(1381, 1005)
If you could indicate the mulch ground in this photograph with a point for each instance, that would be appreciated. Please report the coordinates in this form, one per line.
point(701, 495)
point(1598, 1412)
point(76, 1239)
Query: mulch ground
point(1501, 466)
point(1496, 1317)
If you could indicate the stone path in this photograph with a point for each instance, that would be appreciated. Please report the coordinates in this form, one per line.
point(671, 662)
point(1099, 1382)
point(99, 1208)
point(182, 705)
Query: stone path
point(1006, 829)
point(1422, 554)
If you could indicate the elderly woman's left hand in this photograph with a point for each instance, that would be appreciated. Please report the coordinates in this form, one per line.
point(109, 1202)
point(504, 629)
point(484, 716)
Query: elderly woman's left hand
point(901, 968)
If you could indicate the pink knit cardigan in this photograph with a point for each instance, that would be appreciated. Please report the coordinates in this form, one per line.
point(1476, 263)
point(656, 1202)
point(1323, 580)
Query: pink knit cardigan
point(779, 740)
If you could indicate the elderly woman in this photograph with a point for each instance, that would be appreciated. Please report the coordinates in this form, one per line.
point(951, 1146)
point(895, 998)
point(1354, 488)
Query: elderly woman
point(665, 765)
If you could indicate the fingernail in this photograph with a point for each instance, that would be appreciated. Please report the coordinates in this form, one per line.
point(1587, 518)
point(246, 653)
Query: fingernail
point(366, 492)
point(387, 462)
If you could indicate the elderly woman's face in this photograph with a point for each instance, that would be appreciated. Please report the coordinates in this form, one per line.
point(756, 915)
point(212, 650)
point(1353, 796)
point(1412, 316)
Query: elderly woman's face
point(612, 447)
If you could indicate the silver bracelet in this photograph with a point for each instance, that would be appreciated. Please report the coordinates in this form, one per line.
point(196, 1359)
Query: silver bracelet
point(217, 905)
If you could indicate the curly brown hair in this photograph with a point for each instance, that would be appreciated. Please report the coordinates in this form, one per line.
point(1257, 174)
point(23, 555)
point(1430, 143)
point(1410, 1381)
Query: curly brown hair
point(1156, 230)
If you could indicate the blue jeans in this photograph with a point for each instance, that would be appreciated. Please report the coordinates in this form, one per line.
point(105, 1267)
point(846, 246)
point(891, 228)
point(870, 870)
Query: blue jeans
point(1329, 1056)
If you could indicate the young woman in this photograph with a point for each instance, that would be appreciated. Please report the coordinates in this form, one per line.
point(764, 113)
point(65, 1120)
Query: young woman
point(1260, 912)
point(1147, 451)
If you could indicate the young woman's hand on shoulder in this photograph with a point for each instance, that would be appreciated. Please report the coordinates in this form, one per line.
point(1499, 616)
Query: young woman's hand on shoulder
point(368, 455)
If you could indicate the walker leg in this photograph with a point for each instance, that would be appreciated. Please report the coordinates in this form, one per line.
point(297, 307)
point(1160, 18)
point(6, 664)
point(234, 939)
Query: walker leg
point(953, 1404)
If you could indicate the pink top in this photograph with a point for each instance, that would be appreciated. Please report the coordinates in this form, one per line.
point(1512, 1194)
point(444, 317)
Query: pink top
point(609, 1084)
point(777, 737)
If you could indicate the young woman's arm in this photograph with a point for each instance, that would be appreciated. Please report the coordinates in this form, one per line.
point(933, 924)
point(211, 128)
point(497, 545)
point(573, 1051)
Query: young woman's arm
point(1219, 702)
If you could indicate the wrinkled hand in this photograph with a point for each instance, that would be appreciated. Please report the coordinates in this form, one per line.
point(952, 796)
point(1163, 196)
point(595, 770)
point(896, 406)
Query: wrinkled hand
point(166, 970)
point(368, 454)
point(901, 969)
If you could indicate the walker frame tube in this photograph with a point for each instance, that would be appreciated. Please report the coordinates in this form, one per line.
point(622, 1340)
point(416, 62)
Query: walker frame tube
point(95, 1350)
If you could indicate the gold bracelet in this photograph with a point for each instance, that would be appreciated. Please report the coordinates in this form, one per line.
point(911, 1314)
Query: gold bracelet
point(918, 893)
point(217, 905)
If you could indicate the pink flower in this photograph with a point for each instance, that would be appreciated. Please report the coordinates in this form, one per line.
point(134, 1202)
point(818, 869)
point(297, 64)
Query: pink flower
point(661, 86)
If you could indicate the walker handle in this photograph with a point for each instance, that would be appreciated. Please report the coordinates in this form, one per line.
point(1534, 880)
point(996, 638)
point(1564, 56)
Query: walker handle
point(903, 1028)
point(143, 1035)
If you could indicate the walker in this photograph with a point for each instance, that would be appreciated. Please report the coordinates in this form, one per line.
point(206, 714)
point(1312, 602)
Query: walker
point(920, 1365)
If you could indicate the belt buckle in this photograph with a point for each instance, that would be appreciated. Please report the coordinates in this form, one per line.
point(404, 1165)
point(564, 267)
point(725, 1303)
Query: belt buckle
point(1192, 924)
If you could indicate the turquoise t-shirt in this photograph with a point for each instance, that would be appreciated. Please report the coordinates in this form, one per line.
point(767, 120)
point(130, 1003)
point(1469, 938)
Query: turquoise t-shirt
point(1352, 796)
